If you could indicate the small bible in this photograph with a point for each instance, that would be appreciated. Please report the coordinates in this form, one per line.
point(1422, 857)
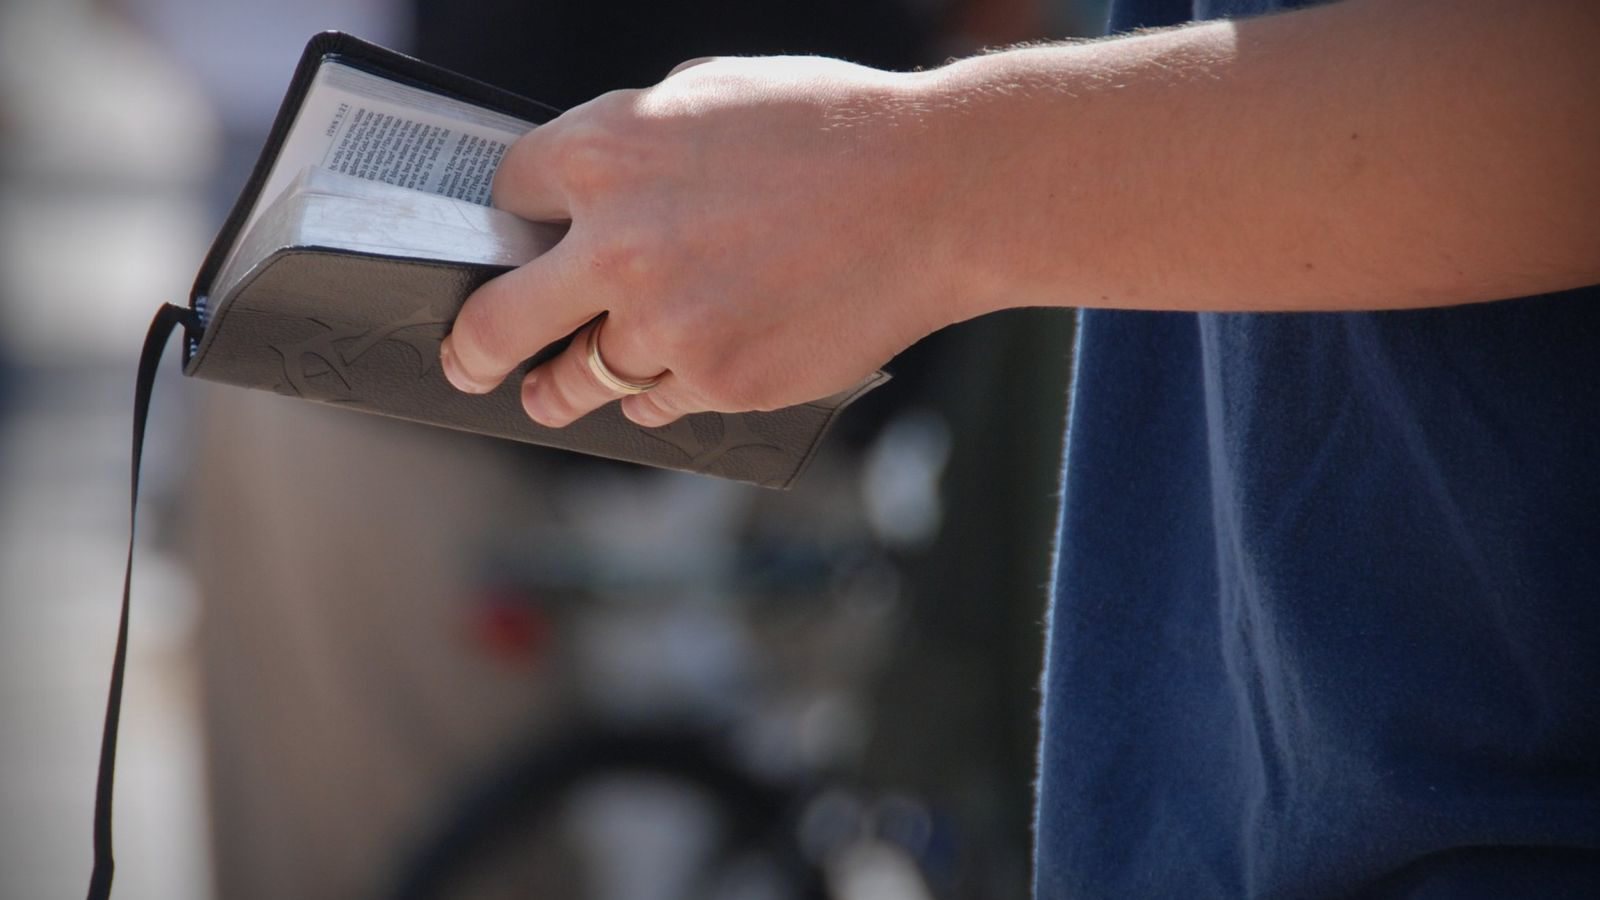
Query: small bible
point(362, 229)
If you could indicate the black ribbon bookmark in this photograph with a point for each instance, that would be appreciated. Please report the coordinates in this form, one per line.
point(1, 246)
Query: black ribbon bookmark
point(168, 318)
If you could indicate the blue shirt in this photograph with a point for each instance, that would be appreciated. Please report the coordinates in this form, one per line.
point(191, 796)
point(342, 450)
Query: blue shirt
point(1326, 618)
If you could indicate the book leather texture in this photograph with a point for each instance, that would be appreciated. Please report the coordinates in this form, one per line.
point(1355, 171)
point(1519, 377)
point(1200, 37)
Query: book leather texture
point(363, 332)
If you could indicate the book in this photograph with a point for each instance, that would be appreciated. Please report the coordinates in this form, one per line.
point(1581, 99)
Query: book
point(364, 227)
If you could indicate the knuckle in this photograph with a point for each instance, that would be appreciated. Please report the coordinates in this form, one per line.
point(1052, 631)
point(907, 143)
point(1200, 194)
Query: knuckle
point(585, 156)
point(601, 147)
point(727, 383)
point(594, 155)
point(680, 335)
point(563, 398)
point(631, 259)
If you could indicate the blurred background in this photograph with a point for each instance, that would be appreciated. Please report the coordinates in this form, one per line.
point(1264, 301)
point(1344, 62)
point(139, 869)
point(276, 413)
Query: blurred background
point(372, 659)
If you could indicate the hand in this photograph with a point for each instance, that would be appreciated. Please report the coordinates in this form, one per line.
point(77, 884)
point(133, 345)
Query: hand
point(758, 232)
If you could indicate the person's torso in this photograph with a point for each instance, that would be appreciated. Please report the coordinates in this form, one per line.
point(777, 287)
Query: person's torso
point(1327, 610)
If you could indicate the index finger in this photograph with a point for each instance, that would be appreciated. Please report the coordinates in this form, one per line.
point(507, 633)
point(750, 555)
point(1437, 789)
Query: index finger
point(526, 183)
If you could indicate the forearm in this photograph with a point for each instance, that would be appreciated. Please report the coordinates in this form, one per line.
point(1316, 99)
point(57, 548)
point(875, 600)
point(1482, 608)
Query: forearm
point(763, 232)
point(1361, 155)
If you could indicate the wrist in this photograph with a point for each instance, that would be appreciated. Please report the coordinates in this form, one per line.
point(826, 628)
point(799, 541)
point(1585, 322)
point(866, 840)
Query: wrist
point(1018, 180)
point(938, 153)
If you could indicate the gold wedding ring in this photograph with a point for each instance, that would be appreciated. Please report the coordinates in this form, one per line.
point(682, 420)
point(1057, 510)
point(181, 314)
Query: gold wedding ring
point(603, 373)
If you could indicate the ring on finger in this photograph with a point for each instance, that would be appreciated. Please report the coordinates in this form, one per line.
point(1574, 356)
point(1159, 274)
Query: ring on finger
point(603, 374)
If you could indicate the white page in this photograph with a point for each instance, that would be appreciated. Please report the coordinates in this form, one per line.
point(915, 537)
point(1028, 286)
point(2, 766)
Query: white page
point(321, 208)
point(367, 126)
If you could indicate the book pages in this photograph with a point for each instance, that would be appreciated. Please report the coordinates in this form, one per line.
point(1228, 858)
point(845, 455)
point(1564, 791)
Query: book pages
point(369, 127)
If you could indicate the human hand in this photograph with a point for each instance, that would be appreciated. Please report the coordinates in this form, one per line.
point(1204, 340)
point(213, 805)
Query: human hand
point(758, 232)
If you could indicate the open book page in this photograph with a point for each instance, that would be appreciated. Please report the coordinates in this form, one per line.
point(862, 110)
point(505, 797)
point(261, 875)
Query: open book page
point(322, 208)
point(370, 127)
point(366, 126)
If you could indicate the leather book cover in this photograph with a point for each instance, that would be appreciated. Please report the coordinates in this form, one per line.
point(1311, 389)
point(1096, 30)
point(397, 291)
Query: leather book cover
point(363, 331)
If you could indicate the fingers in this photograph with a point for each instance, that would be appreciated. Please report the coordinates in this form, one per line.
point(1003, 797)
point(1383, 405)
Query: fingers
point(567, 388)
point(560, 171)
point(527, 183)
point(570, 154)
point(661, 406)
point(513, 317)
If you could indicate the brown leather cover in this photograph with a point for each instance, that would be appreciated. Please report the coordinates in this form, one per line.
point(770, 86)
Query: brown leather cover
point(363, 331)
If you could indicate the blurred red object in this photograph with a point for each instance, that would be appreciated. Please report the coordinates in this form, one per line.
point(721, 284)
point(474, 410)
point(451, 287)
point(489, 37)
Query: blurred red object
point(508, 626)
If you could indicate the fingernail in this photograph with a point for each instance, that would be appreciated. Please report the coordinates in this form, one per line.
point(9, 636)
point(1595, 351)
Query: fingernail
point(533, 401)
point(454, 374)
point(643, 415)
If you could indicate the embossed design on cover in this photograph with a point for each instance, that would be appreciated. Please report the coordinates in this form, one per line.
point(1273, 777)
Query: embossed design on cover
point(325, 348)
point(733, 434)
